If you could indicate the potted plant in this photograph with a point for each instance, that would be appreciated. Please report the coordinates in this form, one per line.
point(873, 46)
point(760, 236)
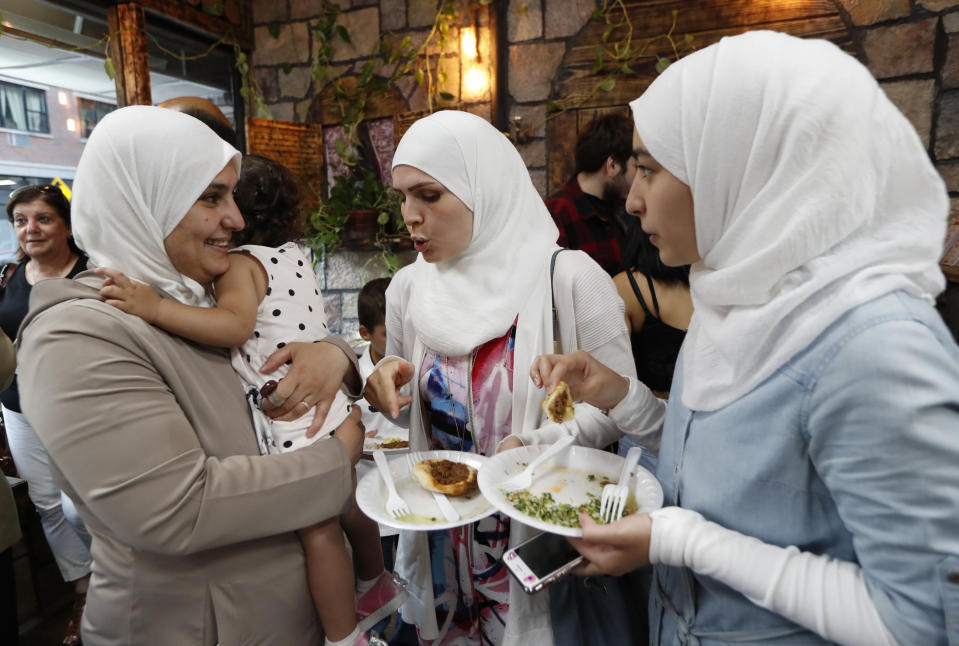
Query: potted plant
point(360, 212)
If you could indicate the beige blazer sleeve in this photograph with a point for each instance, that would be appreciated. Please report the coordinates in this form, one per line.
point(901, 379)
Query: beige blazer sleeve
point(8, 361)
point(153, 434)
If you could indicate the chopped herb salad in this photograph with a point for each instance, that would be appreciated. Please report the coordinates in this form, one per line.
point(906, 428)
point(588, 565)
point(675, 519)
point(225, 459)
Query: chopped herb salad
point(546, 509)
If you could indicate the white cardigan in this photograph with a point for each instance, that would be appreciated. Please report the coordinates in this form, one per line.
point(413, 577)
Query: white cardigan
point(591, 317)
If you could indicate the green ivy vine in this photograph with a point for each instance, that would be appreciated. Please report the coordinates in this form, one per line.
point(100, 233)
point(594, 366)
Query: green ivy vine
point(614, 59)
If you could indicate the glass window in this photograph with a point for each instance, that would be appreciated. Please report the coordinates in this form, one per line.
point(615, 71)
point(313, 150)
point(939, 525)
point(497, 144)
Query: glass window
point(23, 108)
point(90, 114)
point(8, 242)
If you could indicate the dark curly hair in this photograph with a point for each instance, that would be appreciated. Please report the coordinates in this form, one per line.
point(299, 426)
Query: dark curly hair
point(49, 195)
point(604, 137)
point(268, 196)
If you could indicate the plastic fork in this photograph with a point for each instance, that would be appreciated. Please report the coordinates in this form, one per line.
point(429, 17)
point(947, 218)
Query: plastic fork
point(614, 498)
point(524, 478)
point(395, 504)
point(441, 500)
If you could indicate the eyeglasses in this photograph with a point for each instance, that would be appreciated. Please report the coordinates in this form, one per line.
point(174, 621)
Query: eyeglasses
point(47, 189)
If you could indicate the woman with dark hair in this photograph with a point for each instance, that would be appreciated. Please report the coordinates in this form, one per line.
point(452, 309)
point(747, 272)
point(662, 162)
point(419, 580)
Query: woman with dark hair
point(41, 220)
point(658, 309)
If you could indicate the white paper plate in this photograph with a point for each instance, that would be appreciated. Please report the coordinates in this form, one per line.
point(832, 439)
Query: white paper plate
point(567, 477)
point(384, 430)
point(371, 495)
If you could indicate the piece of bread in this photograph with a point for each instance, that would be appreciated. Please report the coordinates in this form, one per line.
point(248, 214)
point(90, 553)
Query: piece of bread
point(446, 476)
point(558, 405)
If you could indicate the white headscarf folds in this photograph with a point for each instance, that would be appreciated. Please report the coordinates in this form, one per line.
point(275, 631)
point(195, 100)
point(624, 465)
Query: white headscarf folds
point(463, 302)
point(141, 171)
point(812, 193)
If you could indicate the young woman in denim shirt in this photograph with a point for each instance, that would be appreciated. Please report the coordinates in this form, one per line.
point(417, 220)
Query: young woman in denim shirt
point(810, 452)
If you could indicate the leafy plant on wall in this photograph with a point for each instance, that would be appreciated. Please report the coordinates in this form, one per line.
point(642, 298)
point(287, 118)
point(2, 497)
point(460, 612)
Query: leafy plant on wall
point(425, 63)
point(616, 57)
point(361, 190)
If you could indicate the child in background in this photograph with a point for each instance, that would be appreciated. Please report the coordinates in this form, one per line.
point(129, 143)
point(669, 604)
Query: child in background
point(371, 311)
point(269, 297)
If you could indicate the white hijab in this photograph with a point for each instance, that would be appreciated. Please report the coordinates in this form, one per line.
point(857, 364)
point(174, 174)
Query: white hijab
point(141, 171)
point(461, 303)
point(813, 194)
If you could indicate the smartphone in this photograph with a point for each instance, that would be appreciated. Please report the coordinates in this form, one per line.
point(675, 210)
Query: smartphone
point(541, 560)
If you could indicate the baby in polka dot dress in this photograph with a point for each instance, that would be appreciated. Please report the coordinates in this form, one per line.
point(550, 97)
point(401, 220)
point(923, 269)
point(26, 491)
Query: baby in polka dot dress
point(269, 297)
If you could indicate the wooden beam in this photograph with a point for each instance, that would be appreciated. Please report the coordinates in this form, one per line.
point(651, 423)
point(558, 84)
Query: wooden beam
point(235, 26)
point(499, 64)
point(561, 135)
point(322, 109)
point(128, 51)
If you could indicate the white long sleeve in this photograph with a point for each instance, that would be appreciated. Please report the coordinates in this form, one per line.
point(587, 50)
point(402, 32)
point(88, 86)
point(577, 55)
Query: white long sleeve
point(639, 412)
point(592, 319)
point(817, 592)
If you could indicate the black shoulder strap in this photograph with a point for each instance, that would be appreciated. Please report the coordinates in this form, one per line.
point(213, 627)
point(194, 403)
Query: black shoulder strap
point(652, 292)
point(557, 345)
point(639, 295)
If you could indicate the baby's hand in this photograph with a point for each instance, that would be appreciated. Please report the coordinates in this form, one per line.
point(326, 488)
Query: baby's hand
point(128, 295)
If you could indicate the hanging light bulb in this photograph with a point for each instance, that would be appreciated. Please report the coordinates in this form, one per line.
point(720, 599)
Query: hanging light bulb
point(468, 43)
point(476, 81)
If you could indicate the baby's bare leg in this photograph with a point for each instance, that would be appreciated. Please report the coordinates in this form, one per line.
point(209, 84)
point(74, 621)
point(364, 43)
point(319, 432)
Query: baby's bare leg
point(330, 573)
point(362, 531)
point(364, 535)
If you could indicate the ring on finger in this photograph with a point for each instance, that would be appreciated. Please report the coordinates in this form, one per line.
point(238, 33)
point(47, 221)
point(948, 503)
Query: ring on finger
point(305, 406)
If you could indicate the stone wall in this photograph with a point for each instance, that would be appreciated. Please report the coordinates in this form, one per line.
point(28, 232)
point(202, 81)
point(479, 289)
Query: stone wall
point(913, 50)
point(911, 46)
point(284, 50)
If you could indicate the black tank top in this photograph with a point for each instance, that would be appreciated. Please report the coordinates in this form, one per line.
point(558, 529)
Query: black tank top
point(14, 303)
point(655, 345)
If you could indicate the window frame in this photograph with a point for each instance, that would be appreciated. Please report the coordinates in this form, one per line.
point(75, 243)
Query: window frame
point(27, 112)
point(84, 135)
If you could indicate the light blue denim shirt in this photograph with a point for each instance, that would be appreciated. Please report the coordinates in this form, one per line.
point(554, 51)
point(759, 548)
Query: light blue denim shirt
point(850, 449)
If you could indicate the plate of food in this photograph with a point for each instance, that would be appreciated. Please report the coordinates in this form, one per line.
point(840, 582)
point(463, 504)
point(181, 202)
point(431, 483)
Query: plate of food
point(452, 472)
point(391, 443)
point(563, 485)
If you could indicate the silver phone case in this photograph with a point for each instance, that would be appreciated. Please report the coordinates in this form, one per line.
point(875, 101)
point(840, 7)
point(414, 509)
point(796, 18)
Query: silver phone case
point(527, 578)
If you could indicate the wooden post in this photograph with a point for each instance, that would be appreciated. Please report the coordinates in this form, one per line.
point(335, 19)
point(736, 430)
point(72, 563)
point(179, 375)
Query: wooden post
point(499, 64)
point(128, 51)
point(561, 134)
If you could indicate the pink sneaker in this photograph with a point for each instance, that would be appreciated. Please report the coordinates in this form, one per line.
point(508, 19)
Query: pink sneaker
point(369, 639)
point(380, 601)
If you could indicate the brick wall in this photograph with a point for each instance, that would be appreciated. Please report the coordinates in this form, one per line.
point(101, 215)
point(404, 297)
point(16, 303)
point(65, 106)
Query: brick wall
point(60, 147)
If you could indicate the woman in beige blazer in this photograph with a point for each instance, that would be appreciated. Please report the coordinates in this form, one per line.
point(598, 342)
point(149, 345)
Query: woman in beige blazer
point(150, 434)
